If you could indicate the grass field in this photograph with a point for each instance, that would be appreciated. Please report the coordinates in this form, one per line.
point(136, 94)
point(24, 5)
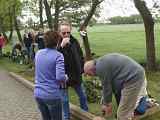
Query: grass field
point(126, 39)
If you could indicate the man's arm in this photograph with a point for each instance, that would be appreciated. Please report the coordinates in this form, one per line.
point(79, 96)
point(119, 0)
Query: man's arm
point(107, 91)
point(107, 97)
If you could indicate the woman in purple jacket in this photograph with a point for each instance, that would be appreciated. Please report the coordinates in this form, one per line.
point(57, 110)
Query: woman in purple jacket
point(49, 75)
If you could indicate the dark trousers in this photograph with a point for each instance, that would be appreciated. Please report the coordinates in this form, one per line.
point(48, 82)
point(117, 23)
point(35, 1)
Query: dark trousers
point(50, 109)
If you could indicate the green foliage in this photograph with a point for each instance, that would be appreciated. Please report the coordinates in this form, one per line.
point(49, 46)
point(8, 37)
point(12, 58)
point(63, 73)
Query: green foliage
point(7, 7)
point(76, 11)
point(72, 10)
point(93, 90)
point(133, 19)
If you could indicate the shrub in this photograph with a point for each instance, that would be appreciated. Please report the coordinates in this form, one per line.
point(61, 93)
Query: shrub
point(93, 90)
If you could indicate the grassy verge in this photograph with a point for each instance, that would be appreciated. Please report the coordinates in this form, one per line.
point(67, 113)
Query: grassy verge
point(126, 39)
point(17, 68)
point(153, 85)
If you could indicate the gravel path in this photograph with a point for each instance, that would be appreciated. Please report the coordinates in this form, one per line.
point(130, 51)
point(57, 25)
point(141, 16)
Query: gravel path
point(16, 101)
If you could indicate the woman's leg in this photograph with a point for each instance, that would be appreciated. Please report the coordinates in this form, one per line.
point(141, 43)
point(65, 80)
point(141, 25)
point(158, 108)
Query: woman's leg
point(55, 109)
point(43, 109)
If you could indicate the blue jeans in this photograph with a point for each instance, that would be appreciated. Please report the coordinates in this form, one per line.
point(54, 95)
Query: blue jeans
point(28, 49)
point(50, 109)
point(79, 89)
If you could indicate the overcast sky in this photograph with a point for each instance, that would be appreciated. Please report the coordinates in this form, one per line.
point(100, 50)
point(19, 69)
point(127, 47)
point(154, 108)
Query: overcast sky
point(120, 8)
point(109, 8)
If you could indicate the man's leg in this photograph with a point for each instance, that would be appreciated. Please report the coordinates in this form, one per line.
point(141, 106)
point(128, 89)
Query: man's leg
point(143, 92)
point(82, 96)
point(129, 96)
point(65, 104)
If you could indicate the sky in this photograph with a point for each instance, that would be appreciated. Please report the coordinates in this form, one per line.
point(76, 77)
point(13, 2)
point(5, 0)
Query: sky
point(110, 8)
point(119, 8)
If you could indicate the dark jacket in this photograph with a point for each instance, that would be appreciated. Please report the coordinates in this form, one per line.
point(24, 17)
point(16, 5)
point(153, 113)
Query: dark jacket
point(27, 40)
point(40, 41)
point(74, 61)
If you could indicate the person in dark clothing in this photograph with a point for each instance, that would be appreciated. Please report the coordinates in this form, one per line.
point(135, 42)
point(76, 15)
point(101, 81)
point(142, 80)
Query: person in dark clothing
point(40, 40)
point(74, 61)
point(16, 52)
point(27, 38)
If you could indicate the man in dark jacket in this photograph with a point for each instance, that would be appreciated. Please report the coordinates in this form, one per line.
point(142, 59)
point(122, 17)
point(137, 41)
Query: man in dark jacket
point(40, 40)
point(74, 61)
point(27, 39)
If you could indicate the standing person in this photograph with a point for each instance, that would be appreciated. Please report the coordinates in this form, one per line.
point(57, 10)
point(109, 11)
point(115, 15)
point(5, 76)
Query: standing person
point(27, 42)
point(2, 41)
point(49, 75)
point(34, 45)
point(40, 40)
point(74, 62)
point(119, 74)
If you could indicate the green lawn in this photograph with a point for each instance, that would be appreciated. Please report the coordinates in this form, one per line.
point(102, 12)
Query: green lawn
point(126, 39)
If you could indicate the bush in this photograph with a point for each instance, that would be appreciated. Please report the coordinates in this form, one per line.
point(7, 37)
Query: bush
point(93, 90)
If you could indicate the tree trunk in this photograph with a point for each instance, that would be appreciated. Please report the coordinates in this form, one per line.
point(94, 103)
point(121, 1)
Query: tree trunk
point(84, 26)
point(149, 32)
point(41, 13)
point(150, 46)
point(18, 31)
point(88, 55)
point(17, 28)
point(11, 27)
point(48, 14)
point(56, 20)
point(2, 29)
point(10, 35)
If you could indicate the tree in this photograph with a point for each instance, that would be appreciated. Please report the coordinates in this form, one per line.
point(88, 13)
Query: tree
point(57, 11)
point(75, 11)
point(156, 10)
point(133, 19)
point(48, 14)
point(4, 17)
point(149, 32)
point(84, 25)
point(11, 24)
point(7, 12)
point(16, 8)
point(41, 13)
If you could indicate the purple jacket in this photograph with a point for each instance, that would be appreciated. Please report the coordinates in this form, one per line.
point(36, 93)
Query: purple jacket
point(49, 73)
